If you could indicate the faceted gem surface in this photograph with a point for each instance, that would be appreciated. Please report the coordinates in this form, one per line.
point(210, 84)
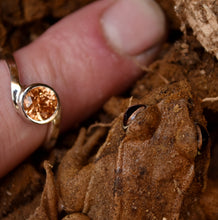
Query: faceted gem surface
point(40, 103)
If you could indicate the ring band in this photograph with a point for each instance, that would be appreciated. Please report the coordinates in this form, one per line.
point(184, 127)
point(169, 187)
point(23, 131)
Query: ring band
point(38, 103)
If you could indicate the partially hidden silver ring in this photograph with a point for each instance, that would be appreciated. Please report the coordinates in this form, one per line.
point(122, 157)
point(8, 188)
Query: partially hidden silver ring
point(38, 103)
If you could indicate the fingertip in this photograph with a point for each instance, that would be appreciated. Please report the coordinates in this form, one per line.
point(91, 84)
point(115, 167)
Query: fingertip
point(84, 63)
point(133, 27)
point(78, 58)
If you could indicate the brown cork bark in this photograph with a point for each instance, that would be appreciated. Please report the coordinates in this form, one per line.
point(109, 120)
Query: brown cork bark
point(202, 17)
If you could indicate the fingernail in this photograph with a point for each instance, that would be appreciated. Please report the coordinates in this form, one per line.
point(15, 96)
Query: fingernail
point(133, 26)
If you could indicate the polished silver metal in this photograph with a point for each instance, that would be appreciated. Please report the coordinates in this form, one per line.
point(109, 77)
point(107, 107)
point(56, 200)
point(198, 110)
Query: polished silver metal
point(15, 84)
point(18, 93)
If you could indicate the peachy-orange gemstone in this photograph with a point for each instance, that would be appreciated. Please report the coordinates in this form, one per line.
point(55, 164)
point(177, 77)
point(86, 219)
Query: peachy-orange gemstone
point(40, 103)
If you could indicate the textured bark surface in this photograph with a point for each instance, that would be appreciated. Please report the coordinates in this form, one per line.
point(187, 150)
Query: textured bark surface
point(202, 17)
point(18, 12)
point(22, 21)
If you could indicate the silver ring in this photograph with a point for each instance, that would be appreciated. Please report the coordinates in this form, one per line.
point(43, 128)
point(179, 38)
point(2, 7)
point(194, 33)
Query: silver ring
point(38, 103)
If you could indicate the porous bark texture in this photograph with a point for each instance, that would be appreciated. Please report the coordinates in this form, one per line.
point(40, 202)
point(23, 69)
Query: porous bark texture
point(202, 17)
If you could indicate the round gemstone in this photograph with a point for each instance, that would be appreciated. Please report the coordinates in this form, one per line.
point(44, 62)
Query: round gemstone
point(40, 103)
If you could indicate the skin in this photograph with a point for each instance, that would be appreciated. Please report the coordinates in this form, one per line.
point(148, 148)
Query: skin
point(76, 53)
point(133, 168)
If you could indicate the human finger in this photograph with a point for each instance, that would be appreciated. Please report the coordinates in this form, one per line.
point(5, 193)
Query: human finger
point(86, 57)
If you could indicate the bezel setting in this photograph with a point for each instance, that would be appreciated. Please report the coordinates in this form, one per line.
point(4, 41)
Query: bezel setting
point(42, 102)
point(37, 103)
